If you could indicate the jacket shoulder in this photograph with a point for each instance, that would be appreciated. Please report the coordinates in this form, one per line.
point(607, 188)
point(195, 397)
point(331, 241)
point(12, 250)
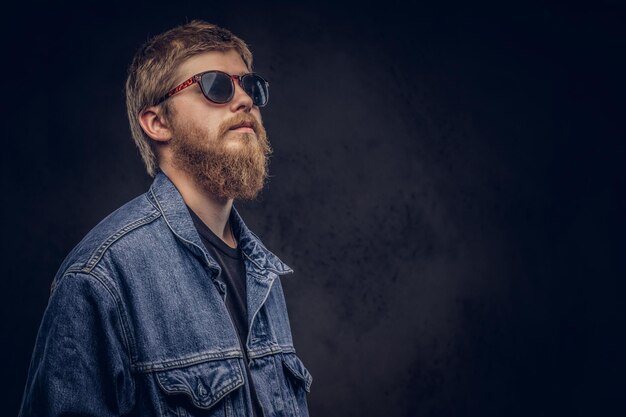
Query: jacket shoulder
point(124, 221)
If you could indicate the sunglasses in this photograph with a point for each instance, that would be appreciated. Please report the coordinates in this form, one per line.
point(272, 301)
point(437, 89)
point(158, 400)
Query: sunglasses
point(219, 87)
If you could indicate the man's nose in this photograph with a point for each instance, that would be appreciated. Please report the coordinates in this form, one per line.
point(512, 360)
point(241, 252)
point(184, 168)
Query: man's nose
point(241, 100)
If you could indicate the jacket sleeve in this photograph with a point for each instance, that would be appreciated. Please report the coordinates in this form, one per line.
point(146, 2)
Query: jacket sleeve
point(81, 363)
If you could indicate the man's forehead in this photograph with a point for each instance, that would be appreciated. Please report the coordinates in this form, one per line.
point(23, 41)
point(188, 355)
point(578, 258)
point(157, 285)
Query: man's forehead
point(228, 61)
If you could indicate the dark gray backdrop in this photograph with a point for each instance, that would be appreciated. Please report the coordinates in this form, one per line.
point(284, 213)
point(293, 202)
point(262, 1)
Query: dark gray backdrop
point(447, 183)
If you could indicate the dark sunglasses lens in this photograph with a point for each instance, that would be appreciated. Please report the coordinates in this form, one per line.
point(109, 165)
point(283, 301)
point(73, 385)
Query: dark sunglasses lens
point(217, 87)
point(255, 87)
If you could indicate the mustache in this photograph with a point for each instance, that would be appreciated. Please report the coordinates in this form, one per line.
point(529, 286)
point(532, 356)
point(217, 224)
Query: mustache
point(237, 120)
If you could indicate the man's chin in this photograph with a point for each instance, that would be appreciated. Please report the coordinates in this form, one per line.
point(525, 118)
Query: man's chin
point(239, 140)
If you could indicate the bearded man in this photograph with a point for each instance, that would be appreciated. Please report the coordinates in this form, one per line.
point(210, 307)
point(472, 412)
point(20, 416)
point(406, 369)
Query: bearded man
point(171, 306)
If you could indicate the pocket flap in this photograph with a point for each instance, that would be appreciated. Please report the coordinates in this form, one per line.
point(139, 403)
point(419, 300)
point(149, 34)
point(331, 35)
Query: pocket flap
point(297, 369)
point(205, 383)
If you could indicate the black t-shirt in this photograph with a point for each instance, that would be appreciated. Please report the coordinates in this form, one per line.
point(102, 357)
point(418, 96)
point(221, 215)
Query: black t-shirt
point(234, 276)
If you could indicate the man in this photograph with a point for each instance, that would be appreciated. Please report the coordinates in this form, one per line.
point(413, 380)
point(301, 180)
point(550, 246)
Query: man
point(171, 306)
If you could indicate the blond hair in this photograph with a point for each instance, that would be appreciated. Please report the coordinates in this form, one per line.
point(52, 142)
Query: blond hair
point(153, 70)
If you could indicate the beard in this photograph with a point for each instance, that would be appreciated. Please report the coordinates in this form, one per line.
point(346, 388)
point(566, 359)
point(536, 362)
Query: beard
point(220, 166)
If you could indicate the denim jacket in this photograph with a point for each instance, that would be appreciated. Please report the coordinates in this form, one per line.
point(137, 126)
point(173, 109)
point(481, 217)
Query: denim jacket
point(136, 324)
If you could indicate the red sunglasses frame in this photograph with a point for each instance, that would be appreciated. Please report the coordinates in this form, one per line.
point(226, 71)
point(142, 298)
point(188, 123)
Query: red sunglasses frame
point(196, 79)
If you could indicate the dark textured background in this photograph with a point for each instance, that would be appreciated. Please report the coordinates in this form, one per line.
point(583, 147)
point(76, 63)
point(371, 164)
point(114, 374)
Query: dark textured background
point(448, 183)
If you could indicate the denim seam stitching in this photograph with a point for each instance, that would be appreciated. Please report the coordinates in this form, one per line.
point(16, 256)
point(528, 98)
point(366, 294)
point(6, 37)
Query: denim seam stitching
point(270, 350)
point(129, 343)
point(99, 252)
point(146, 367)
point(124, 320)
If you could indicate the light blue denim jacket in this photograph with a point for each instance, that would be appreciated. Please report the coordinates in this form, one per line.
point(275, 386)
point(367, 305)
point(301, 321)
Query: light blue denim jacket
point(136, 324)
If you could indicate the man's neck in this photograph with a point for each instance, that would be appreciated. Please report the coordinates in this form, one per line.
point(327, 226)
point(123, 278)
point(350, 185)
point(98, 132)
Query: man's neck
point(213, 212)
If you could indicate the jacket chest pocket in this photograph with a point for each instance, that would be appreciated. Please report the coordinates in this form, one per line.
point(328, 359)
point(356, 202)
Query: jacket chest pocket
point(207, 389)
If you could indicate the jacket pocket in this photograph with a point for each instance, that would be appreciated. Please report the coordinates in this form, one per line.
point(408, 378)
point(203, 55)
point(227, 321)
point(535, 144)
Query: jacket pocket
point(296, 368)
point(298, 382)
point(192, 390)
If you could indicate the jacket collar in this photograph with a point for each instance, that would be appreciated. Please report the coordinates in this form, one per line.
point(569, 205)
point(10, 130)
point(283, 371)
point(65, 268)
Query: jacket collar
point(165, 196)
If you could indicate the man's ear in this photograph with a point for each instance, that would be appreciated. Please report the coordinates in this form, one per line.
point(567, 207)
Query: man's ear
point(154, 123)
